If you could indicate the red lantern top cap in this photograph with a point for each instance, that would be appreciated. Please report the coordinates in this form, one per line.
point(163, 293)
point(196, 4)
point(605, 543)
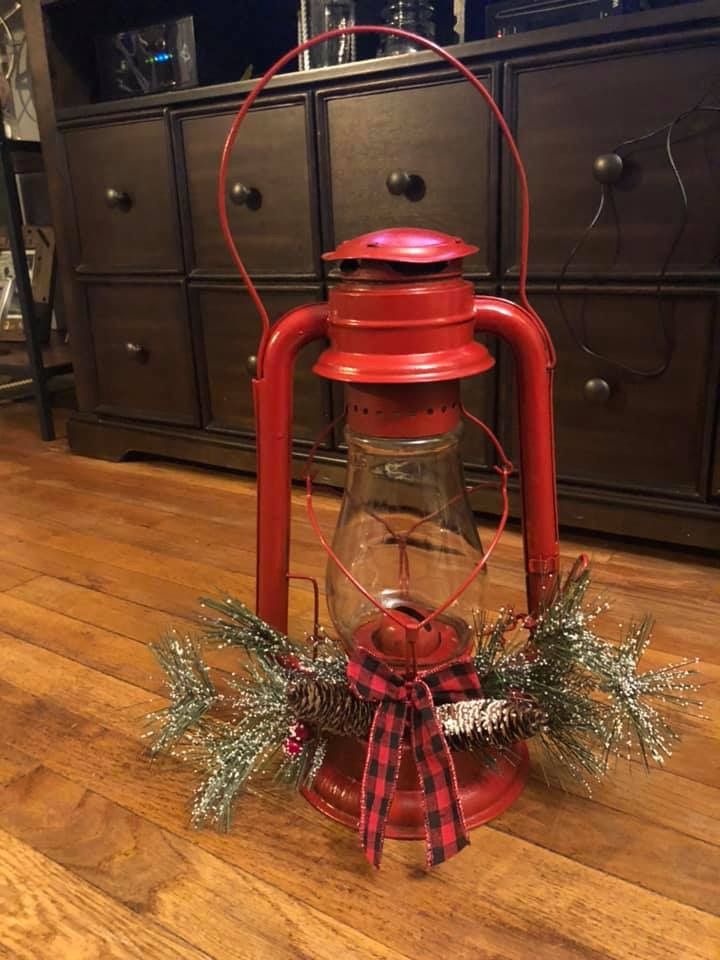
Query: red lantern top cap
point(403, 245)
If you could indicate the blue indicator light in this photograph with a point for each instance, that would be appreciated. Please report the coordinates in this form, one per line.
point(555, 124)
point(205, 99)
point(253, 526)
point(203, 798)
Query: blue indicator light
point(159, 58)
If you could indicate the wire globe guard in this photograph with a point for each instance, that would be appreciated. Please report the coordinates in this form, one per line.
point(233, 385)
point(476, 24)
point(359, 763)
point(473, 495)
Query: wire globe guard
point(484, 791)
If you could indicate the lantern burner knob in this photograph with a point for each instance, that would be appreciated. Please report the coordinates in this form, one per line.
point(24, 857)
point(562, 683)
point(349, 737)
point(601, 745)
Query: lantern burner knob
point(401, 642)
point(393, 640)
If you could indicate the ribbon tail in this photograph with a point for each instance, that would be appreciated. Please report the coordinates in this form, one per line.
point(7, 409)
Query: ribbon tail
point(445, 830)
point(380, 776)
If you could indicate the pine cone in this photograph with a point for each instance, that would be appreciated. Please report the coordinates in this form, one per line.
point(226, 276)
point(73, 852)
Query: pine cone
point(330, 706)
point(468, 725)
point(473, 724)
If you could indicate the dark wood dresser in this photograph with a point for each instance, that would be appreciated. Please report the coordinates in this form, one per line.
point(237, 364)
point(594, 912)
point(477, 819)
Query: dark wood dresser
point(162, 329)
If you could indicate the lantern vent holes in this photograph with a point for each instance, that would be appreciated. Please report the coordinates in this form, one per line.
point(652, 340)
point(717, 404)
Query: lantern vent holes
point(416, 269)
point(430, 411)
point(351, 266)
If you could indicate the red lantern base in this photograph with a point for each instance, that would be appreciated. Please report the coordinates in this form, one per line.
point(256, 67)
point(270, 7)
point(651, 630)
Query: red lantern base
point(484, 792)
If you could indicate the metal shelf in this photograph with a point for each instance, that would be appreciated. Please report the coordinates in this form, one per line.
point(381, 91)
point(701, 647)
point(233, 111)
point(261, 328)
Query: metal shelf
point(29, 359)
point(56, 357)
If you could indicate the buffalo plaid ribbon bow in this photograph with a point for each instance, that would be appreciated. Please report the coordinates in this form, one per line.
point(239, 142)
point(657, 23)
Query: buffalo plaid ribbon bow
point(397, 697)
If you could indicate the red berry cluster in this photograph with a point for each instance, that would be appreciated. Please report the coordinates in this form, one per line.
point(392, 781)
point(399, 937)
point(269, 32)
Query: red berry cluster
point(298, 734)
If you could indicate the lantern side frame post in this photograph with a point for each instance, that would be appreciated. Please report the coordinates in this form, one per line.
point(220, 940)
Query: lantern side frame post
point(273, 403)
point(534, 383)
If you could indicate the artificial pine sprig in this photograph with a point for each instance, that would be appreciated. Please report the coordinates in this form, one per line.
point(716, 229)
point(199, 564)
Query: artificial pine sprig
point(596, 701)
point(192, 692)
point(584, 699)
point(238, 626)
point(229, 754)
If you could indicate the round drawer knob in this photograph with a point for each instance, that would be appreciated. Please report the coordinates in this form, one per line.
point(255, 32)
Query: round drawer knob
point(251, 365)
point(597, 391)
point(137, 351)
point(608, 168)
point(244, 196)
point(398, 182)
point(117, 199)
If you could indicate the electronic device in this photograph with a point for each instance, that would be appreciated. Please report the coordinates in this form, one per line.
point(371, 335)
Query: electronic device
point(147, 59)
point(519, 16)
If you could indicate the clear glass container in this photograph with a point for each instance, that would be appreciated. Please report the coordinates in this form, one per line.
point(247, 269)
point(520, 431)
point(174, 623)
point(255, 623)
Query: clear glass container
point(417, 16)
point(318, 16)
point(407, 534)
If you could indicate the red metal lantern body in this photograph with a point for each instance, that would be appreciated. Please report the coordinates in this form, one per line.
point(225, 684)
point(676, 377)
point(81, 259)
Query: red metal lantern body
point(401, 324)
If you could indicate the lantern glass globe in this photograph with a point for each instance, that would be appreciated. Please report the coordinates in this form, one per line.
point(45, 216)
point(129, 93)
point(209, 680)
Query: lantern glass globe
point(407, 534)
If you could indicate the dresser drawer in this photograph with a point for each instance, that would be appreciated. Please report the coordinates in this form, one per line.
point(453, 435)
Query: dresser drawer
point(621, 430)
point(227, 330)
point(567, 111)
point(439, 134)
point(143, 355)
point(124, 197)
point(715, 480)
point(270, 203)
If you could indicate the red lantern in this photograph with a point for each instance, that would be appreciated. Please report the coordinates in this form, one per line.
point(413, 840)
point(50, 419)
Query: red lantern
point(401, 324)
point(405, 561)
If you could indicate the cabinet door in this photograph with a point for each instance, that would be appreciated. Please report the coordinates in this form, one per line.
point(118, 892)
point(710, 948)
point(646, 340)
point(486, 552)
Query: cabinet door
point(715, 482)
point(123, 189)
point(271, 201)
point(619, 430)
point(438, 132)
point(143, 353)
point(228, 331)
point(568, 110)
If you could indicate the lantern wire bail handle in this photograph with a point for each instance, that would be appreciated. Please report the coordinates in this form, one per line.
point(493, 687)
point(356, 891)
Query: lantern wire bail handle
point(504, 468)
point(524, 195)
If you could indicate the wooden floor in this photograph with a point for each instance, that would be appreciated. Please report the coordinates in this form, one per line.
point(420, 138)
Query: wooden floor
point(97, 860)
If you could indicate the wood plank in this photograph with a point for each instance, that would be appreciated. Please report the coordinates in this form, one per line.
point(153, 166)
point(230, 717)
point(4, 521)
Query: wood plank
point(120, 657)
point(12, 575)
point(615, 841)
point(153, 592)
point(127, 482)
point(178, 599)
point(203, 576)
point(665, 798)
point(108, 652)
point(647, 572)
point(12, 469)
point(659, 796)
point(114, 702)
point(627, 874)
point(682, 629)
point(620, 844)
point(14, 764)
point(47, 911)
point(73, 506)
point(120, 616)
point(217, 576)
point(87, 533)
point(515, 890)
point(504, 588)
point(169, 879)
